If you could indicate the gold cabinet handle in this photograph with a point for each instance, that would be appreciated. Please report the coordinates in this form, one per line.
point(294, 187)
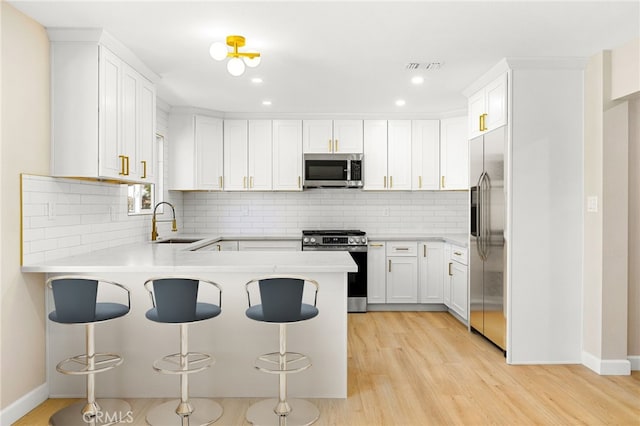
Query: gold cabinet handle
point(219, 248)
point(385, 181)
point(389, 265)
point(450, 274)
point(244, 182)
point(457, 253)
point(127, 157)
point(299, 182)
point(424, 250)
point(330, 145)
point(483, 122)
point(220, 181)
point(420, 182)
point(251, 182)
point(442, 182)
point(480, 126)
point(402, 248)
point(390, 181)
point(376, 245)
point(336, 146)
point(144, 169)
point(122, 165)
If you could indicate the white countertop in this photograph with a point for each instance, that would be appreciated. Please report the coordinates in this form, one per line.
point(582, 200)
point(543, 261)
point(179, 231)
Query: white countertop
point(177, 258)
point(457, 239)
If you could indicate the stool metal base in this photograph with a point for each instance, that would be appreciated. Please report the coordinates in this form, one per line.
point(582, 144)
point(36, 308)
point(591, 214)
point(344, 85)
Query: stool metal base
point(205, 412)
point(303, 413)
point(113, 411)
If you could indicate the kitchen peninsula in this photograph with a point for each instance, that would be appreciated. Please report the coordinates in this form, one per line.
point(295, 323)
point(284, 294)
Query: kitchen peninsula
point(234, 340)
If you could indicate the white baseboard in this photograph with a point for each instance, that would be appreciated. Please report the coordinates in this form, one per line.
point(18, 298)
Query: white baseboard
point(607, 367)
point(24, 404)
point(635, 362)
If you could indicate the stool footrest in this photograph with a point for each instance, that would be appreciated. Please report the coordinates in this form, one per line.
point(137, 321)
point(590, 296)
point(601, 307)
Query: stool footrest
point(194, 362)
point(102, 362)
point(289, 362)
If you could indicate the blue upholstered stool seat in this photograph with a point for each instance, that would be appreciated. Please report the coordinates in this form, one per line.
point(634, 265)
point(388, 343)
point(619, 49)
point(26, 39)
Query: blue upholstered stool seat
point(203, 311)
point(306, 312)
point(104, 311)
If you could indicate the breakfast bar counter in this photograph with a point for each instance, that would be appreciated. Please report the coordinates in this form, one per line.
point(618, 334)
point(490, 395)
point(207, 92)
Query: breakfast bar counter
point(233, 339)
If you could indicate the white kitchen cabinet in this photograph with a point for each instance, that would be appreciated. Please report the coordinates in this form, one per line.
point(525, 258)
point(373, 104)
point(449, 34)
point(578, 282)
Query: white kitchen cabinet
point(431, 272)
point(488, 107)
point(425, 155)
point(101, 125)
point(387, 155)
point(402, 279)
point(287, 155)
point(376, 273)
point(454, 154)
point(458, 281)
point(147, 151)
point(195, 152)
point(402, 272)
point(332, 136)
point(247, 155)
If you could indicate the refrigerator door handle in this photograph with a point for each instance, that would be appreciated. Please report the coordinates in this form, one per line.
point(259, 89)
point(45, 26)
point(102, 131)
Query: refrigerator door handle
point(486, 215)
point(480, 218)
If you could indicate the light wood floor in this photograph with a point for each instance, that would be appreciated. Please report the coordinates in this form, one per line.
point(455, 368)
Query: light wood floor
point(422, 368)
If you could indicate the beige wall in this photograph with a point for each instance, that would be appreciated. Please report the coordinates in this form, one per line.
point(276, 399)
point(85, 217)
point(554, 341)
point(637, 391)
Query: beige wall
point(634, 227)
point(24, 149)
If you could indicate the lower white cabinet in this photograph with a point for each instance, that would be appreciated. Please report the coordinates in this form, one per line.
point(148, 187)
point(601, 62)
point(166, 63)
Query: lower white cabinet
point(402, 279)
point(456, 284)
point(376, 273)
point(431, 272)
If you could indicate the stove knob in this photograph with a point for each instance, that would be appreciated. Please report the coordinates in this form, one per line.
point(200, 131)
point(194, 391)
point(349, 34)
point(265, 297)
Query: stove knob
point(305, 240)
point(351, 241)
point(364, 240)
point(313, 240)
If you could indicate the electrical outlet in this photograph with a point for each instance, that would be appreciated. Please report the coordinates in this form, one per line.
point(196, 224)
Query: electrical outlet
point(385, 211)
point(51, 210)
point(592, 204)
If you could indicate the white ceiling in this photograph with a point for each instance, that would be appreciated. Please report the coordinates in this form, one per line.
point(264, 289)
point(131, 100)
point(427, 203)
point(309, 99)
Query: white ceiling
point(342, 57)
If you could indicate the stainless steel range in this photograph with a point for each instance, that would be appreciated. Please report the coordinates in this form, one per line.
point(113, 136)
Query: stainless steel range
point(353, 241)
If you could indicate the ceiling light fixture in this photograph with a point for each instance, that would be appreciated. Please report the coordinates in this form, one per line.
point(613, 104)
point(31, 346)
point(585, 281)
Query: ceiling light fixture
point(417, 79)
point(238, 60)
point(400, 102)
point(256, 80)
point(266, 103)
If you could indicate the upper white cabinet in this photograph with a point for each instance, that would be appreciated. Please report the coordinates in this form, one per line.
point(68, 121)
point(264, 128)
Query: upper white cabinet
point(387, 153)
point(332, 136)
point(195, 152)
point(287, 155)
point(454, 154)
point(425, 155)
point(247, 155)
point(488, 107)
point(103, 111)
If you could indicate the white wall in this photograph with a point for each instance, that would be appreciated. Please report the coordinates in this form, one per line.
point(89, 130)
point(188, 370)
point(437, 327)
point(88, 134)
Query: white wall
point(277, 213)
point(24, 149)
point(634, 231)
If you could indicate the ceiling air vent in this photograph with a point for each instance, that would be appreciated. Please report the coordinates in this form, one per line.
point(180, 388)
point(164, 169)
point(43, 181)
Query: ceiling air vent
point(428, 66)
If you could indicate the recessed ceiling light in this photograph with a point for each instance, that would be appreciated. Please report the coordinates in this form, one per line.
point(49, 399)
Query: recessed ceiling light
point(266, 103)
point(256, 80)
point(400, 102)
point(418, 79)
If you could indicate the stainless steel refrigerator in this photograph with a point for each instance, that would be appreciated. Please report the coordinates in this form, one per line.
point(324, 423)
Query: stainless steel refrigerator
point(487, 243)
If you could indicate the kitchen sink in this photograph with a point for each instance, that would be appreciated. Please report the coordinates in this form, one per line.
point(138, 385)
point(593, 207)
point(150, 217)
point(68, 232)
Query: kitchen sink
point(178, 241)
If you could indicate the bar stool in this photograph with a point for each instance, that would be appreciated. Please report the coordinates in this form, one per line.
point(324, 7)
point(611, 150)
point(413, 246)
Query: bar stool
point(75, 300)
point(281, 300)
point(175, 301)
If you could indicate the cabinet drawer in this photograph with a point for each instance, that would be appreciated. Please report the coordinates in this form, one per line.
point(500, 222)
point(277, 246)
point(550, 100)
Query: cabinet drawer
point(402, 248)
point(459, 254)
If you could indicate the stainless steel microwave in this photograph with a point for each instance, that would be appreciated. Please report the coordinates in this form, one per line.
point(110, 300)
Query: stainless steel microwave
point(333, 170)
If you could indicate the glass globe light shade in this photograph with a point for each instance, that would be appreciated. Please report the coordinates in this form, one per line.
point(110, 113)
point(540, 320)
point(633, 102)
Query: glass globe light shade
point(252, 62)
point(235, 66)
point(218, 51)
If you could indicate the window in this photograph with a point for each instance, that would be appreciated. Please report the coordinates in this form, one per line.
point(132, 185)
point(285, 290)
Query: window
point(141, 197)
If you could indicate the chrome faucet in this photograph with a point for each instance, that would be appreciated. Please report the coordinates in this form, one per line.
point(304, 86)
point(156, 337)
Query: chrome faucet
point(154, 221)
